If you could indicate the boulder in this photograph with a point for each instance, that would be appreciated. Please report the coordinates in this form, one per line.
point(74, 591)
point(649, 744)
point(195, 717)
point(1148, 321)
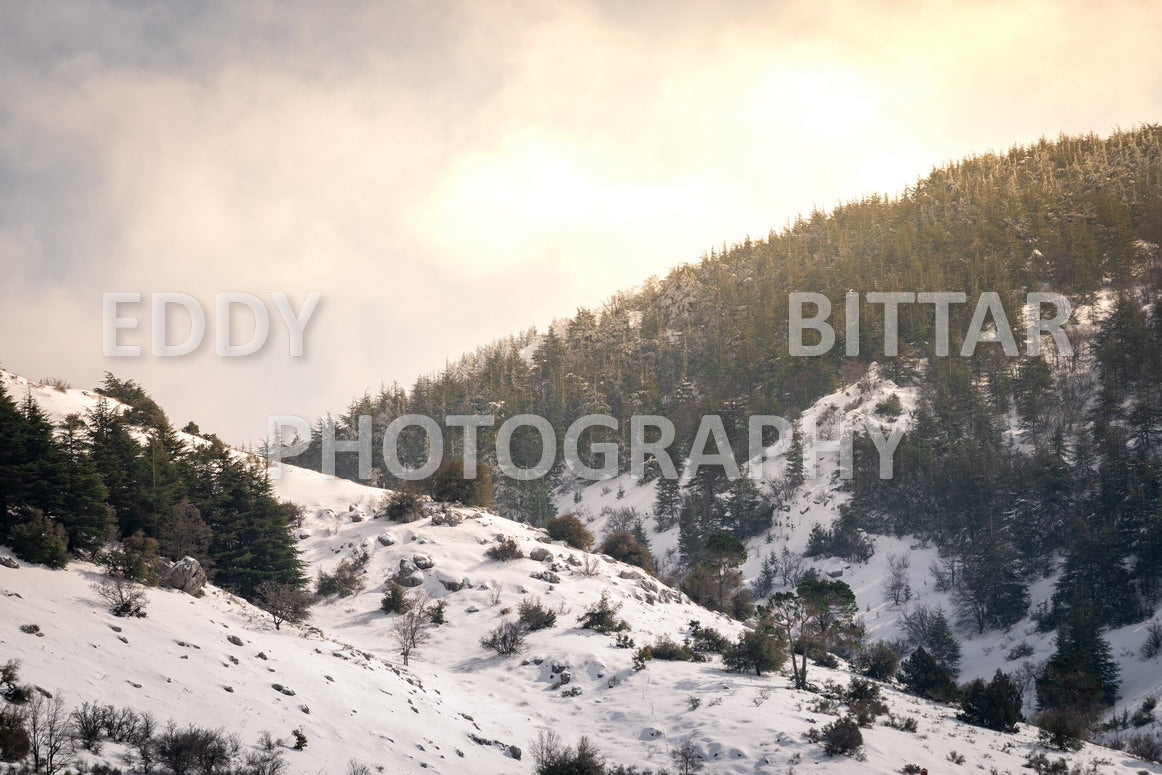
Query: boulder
point(406, 567)
point(413, 579)
point(8, 562)
point(540, 554)
point(423, 561)
point(632, 575)
point(447, 518)
point(186, 575)
point(385, 540)
point(548, 576)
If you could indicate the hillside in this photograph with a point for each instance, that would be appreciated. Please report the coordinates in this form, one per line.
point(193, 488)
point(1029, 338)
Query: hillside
point(455, 697)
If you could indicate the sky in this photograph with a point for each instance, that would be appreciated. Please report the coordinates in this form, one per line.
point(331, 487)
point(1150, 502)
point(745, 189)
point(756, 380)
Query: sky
point(445, 174)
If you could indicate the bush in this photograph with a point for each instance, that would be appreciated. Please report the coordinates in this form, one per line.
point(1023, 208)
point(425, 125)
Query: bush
point(284, 602)
point(404, 507)
point(1145, 746)
point(669, 650)
point(396, 600)
point(505, 551)
point(865, 701)
point(10, 687)
point(125, 598)
point(134, 560)
point(569, 529)
point(707, 640)
point(436, 612)
point(1063, 728)
point(448, 484)
point(841, 737)
point(1152, 646)
point(551, 757)
point(878, 661)
point(345, 581)
point(194, 748)
point(602, 617)
point(14, 742)
point(88, 724)
point(40, 540)
point(622, 546)
point(505, 640)
point(535, 616)
point(760, 650)
point(995, 705)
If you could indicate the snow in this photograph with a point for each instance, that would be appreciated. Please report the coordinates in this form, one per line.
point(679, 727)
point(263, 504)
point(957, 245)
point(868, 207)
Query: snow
point(366, 705)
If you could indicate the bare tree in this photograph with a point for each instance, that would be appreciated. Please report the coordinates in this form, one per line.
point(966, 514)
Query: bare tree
point(284, 602)
point(410, 630)
point(49, 734)
point(898, 586)
point(687, 756)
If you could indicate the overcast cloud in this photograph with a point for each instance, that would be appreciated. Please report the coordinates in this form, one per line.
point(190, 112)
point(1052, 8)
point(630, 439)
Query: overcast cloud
point(448, 173)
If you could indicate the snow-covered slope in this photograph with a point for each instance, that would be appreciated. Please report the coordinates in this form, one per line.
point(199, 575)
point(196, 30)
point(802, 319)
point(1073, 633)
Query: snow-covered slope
point(458, 707)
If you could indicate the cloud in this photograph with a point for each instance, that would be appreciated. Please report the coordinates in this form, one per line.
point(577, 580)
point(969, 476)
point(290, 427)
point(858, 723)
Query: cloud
point(448, 173)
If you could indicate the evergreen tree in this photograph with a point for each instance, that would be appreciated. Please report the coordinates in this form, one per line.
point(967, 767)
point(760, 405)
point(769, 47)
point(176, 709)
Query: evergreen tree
point(994, 705)
point(667, 504)
point(923, 675)
point(1082, 674)
point(84, 512)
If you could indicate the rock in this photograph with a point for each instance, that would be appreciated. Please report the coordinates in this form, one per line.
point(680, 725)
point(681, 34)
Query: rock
point(540, 554)
point(451, 583)
point(514, 752)
point(447, 518)
point(547, 575)
point(413, 579)
point(471, 610)
point(406, 567)
point(423, 561)
point(572, 560)
point(8, 562)
point(558, 667)
point(385, 540)
point(632, 575)
point(835, 573)
point(186, 575)
point(234, 639)
point(228, 689)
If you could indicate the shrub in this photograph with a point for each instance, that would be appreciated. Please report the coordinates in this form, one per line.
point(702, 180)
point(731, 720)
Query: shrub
point(1152, 646)
point(760, 650)
point(344, 581)
point(300, 739)
point(841, 737)
point(1020, 651)
point(40, 540)
point(395, 600)
point(284, 602)
point(10, 687)
point(1145, 746)
point(707, 640)
point(404, 507)
point(878, 660)
point(505, 640)
point(436, 612)
point(88, 724)
point(602, 617)
point(569, 529)
point(535, 616)
point(668, 650)
point(450, 485)
point(621, 545)
point(30, 629)
point(14, 742)
point(184, 750)
point(865, 701)
point(551, 757)
point(505, 550)
point(134, 560)
point(125, 598)
point(1063, 728)
point(995, 705)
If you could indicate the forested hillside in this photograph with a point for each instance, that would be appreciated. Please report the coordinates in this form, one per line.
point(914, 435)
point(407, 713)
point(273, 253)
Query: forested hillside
point(1017, 468)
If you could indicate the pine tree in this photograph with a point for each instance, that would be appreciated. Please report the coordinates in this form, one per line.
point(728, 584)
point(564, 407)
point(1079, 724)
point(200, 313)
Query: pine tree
point(923, 675)
point(994, 705)
point(84, 510)
point(667, 504)
point(1082, 674)
point(12, 437)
